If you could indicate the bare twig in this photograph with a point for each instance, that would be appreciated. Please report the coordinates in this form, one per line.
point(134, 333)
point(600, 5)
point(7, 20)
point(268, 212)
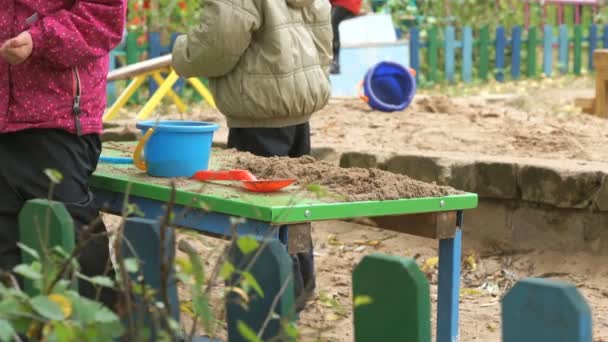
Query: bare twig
point(274, 304)
point(66, 264)
point(126, 282)
point(164, 268)
point(214, 274)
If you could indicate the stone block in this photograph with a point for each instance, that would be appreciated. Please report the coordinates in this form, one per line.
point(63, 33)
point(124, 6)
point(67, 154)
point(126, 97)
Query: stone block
point(601, 200)
point(358, 159)
point(596, 231)
point(486, 179)
point(423, 168)
point(120, 134)
point(544, 228)
point(219, 144)
point(560, 188)
point(485, 228)
point(327, 154)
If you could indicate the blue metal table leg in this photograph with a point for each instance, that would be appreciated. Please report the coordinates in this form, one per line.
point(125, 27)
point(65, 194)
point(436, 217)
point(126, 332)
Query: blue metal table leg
point(449, 285)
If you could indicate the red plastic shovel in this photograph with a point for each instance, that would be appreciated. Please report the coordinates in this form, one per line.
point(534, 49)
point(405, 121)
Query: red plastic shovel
point(246, 178)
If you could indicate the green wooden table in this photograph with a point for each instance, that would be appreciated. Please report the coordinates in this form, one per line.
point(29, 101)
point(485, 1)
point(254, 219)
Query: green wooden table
point(211, 209)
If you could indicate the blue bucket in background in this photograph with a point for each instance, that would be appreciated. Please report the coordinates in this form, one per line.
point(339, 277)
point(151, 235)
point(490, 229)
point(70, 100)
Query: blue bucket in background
point(173, 148)
point(388, 87)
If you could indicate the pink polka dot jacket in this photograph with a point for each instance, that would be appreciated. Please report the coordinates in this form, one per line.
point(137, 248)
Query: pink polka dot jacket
point(63, 84)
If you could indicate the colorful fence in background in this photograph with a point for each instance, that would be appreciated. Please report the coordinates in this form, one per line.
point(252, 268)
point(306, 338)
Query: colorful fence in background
point(515, 54)
point(452, 54)
point(561, 10)
point(138, 47)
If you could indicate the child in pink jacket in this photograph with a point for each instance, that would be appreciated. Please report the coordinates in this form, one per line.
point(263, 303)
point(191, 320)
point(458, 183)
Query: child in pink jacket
point(53, 69)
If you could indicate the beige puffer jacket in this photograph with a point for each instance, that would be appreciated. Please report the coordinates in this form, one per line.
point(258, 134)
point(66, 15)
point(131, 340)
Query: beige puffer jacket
point(267, 60)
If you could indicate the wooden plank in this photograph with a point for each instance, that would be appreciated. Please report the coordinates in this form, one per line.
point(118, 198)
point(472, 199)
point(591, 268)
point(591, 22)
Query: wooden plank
point(299, 239)
point(531, 57)
point(154, 51)
point(156, 64)
point(133, 56)
point(467, 54)
point(516, 52)
point(578, 49)
point(541, 310)
point(415, 51)
point(432, 54)
point(272, 269)
point(450, 54)
point(434, 225)
point(43, 225)
point(484, 47)
point(592, 44)
point(587, 105)
point(501, 43)
point(563, 55)
point(133, 52)
point(600, 59)
point(143, 240)
point(548, 50)
point(396, 300)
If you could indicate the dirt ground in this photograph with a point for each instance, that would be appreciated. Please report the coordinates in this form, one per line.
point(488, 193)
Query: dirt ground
point(532, 119)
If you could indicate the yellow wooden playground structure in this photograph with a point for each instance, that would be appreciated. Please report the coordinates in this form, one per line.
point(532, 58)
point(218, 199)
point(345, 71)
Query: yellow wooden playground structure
point(138, 73)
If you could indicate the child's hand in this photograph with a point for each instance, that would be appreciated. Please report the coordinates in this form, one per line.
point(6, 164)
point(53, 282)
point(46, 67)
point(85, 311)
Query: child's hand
point(18, 49)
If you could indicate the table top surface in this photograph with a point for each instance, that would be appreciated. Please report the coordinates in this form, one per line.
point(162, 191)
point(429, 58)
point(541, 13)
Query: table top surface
point(291, 205)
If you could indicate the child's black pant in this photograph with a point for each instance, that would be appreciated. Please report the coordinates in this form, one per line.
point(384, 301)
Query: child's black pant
point(294, 142)
point(338, 15)
point(24, 156)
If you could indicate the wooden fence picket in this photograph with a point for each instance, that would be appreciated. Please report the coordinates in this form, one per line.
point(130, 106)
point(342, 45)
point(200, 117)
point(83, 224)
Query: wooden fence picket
point(541, 310)
point(391, 300)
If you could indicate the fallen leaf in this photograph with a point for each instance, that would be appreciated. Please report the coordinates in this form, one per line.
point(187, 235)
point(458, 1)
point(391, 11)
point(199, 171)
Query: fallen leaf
point(470, 292)
point(430, 263)
point(490, 327)
point(470, 262)
point(331, 317)
point(185, 306)
point(333, 240)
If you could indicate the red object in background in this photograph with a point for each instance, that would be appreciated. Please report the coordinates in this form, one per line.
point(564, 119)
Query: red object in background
point(182, 5)
point(353, 6)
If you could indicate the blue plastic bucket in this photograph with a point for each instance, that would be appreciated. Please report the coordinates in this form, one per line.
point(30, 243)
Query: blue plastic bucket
point(174, 148)
point(388, 87)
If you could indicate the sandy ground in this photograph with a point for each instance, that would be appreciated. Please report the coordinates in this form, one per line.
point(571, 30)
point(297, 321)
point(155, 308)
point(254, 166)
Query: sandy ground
point(522, 119)
point(486, 276)
point(530, 119)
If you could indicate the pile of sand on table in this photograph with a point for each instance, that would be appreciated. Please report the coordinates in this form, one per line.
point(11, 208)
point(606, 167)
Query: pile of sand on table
point(354, 184)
